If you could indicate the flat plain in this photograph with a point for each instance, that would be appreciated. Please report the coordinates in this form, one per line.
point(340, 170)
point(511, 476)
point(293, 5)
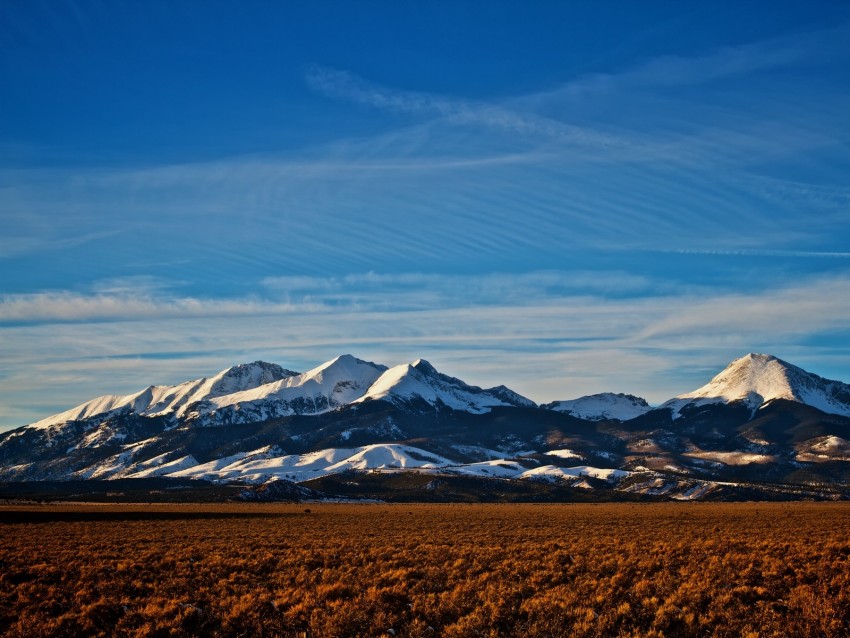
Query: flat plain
point(670, 569)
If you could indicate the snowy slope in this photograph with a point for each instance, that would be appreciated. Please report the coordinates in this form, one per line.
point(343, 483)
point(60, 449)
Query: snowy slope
point(606, 406)
point(756, 379)
point(333, 384)
point(174, 399)
point(420, 381)
point(268, 463)
point(264, 464)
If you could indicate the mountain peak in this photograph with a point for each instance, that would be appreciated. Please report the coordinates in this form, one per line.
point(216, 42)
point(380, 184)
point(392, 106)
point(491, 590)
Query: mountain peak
point(756, 379)
point(757, 359)
point(259, 364)
point(510, 397)
point(346, 360)
point(424, 367)
point(754, 376)
point(757, 355)
point(605, 406)
point(158, 400)
point(326, 387)
point(420, 381)
point(344, 366)
point(245, 376)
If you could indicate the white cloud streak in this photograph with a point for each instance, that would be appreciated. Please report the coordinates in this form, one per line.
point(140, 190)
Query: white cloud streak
point(795, 50)
point(763, 253)
point(345, 85)
point(678, 172)
point(436, 211)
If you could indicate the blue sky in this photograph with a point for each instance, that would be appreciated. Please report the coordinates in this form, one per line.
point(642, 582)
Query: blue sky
point(563, 197)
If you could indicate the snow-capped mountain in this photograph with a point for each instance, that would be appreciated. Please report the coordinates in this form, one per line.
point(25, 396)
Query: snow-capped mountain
point(261, 391)
point(158, 400)
point(420, 381)
point(761, 419)
point(329, 386)
point(605, 406)
point(757, 379)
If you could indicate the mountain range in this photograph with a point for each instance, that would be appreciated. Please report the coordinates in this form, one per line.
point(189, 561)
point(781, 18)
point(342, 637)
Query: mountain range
point(761, 428)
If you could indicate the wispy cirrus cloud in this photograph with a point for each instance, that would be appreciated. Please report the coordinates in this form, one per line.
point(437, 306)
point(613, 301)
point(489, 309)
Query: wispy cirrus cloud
point(799, 49)
point(675, 169)
point(38, 242)
point(66, 306)
point(719, 252)
point(131, 298)
point(411, 289)
point(449, 210)
point(690, 110)
point(346, 85)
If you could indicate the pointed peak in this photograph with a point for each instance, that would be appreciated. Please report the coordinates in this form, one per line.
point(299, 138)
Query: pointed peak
point(345, 365)
point(350, 359)
point(752, 374)
point(755, 357)
point(341, 360)
point(756, 379)
point(424, 367)
point(758, 362)
point(509, 396)
point(754, 366)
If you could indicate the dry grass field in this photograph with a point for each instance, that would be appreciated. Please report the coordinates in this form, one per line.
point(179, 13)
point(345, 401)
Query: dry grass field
point(425, 570)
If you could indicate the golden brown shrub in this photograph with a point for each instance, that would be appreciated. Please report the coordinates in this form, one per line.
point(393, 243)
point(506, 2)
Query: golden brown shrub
point(346, 570)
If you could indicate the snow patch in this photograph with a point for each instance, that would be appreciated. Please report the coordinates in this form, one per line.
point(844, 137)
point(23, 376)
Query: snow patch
point(264, 464)
point(570, 473)
point(733, 458)
point(167, 469)
point(564, 454)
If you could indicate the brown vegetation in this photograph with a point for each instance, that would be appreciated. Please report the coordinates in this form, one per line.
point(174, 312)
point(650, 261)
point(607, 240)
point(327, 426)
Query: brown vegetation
point(426, 570)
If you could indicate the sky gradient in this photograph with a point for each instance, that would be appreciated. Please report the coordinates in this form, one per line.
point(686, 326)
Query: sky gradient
point(564, 199)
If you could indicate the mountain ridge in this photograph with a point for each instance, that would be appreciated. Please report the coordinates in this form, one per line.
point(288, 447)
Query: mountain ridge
point(760, 419)
point(754, 379)
point(155, 400)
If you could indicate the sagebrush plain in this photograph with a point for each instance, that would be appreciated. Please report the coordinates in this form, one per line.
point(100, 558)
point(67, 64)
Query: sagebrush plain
point(746, 569)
